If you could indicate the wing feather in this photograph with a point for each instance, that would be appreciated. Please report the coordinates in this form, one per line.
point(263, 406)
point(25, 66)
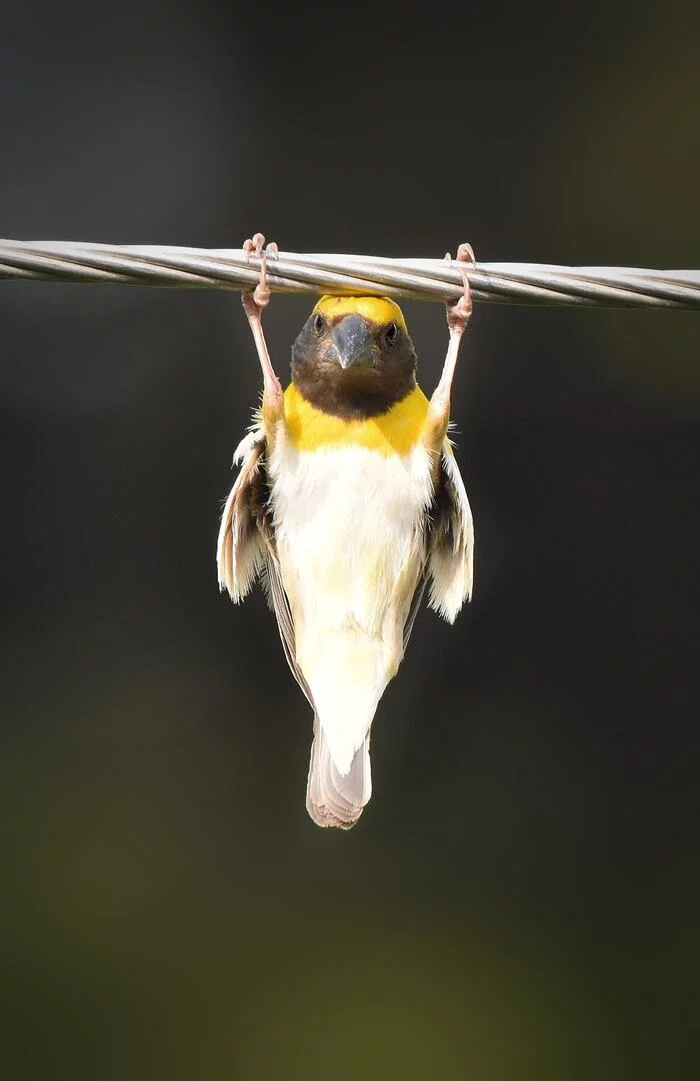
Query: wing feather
point(246, 548)
point(279, 603)
point(451, 540)
point(240, 552)
point(449, 547)
point(415, 606)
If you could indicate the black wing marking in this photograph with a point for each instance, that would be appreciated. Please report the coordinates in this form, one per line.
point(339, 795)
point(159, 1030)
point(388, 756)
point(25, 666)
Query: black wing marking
point(413, 610)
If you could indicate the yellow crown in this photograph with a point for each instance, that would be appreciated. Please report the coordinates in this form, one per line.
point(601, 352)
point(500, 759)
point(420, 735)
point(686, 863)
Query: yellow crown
point(378, 310)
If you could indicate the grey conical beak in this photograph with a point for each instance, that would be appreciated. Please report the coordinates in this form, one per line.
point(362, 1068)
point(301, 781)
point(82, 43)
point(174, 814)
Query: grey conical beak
point(352, 341)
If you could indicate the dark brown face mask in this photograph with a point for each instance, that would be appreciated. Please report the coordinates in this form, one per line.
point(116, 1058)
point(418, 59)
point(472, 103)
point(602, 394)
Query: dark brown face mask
point(352, 367)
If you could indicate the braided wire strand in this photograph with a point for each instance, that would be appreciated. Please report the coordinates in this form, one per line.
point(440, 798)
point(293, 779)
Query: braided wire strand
point(291, 272)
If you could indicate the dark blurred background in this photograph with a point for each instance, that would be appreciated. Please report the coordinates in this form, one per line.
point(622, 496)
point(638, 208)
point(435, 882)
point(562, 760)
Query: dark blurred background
point(520, 900)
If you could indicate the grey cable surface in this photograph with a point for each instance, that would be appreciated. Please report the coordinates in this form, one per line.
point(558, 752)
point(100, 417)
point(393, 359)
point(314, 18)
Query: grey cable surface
point(291, 272)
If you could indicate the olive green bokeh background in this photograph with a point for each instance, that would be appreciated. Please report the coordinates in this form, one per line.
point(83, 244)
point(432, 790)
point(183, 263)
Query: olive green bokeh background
point(520, 898)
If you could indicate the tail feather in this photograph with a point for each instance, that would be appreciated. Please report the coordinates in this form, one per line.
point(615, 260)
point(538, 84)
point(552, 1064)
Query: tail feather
point(334, 798)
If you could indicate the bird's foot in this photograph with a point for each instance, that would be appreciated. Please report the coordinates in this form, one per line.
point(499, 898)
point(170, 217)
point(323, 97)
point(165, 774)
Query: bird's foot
point(459, 311)
point(458, 315)
point(256, 300)
point(254, 303)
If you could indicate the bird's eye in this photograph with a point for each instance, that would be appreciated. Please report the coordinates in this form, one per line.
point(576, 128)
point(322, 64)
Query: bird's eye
point(391, 333)
point(319, 323)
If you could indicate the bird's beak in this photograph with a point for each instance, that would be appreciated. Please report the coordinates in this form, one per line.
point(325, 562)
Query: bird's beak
point(352, 341)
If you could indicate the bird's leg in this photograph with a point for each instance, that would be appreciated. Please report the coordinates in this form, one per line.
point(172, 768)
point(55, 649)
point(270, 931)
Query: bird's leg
point(254, 303)
point(458, 316)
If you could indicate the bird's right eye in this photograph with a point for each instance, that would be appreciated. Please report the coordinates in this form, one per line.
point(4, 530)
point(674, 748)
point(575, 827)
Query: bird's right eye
point(319, 323)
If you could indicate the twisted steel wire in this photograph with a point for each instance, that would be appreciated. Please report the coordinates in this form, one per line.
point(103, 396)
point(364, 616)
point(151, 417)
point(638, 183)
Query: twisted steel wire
point(291, 272)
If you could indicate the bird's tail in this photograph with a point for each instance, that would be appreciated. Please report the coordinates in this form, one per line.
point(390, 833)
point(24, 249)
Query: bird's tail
point(334, 798)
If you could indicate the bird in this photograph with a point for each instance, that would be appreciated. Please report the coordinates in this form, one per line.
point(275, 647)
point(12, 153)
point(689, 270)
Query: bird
point(348, 505)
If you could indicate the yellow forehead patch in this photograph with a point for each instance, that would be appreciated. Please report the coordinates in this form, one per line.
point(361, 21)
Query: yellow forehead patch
point(379, 310)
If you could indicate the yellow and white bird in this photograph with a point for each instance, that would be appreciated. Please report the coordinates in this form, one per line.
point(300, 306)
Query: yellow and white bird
point(348, 503)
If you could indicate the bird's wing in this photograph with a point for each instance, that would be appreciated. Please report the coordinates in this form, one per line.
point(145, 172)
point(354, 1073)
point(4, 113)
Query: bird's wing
point(279, 602)
point(240, 553)
point(415, 605)
point(449, 547)
point(247, 549)
point(450, 563)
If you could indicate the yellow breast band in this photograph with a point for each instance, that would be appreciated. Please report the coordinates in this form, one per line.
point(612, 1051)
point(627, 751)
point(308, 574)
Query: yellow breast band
point(395, 432)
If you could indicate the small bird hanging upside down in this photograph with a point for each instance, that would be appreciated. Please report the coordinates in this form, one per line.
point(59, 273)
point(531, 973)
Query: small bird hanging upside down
point(348, 503)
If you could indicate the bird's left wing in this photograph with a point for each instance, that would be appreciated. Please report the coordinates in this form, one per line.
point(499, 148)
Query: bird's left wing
point(449, 547)
point(415, 606)
point(451, 542)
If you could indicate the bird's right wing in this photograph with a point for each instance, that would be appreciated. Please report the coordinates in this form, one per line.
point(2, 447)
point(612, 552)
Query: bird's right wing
point(279, 602)
point(240, 552)
point(247, 550)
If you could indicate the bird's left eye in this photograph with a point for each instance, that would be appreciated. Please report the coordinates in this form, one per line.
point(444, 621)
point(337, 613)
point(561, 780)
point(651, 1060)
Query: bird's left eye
point(319, 323)
point(391, 333)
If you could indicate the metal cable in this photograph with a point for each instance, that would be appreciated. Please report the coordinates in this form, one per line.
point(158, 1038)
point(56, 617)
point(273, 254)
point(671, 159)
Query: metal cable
point(290, 272)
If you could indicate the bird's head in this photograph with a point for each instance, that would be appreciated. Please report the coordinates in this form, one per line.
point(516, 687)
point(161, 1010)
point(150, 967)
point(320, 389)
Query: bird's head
point(353, 357)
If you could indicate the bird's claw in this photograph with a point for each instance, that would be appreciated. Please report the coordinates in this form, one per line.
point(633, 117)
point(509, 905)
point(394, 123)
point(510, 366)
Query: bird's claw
point(256, 300)
point(459, 311)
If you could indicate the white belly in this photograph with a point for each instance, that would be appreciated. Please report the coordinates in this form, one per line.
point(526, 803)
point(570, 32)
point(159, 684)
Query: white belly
point(349, 525)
